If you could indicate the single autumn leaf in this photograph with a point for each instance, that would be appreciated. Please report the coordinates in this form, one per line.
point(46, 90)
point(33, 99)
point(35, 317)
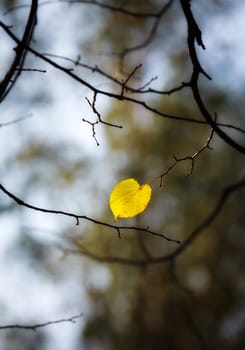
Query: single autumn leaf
point(129, 198)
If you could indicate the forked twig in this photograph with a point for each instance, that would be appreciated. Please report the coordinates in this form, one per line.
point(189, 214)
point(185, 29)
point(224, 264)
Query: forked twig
point(177, 160)
point(98, 120)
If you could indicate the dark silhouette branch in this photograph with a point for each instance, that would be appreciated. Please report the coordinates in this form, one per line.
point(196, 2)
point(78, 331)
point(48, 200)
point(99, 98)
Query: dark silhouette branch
point(34, 327)
point(16, 67)
point(77, 217)
point(31, 70)
point(182, 159)
point(92, 124)
point(118, 97)
point(99, 119)
point(122, 84)
point(195, 36)
point(130, 75)
point(196, 154)
point(139, 90)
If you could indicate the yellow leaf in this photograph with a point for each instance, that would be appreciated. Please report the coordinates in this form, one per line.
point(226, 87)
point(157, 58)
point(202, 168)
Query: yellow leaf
point(129, 198)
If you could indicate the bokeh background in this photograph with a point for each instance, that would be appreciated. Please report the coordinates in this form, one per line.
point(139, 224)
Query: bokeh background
point(51, 159)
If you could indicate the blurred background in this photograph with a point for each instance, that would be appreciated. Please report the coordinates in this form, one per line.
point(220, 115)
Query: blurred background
point(51, 159)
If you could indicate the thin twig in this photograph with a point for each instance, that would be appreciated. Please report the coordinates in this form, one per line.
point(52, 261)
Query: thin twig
point(31, 70)
point(98, 120)
point(124, 83)
point(33, 327)
point(192, 158)
point(177, 160)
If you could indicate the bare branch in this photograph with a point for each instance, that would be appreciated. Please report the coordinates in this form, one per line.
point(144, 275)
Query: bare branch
point(124, 83)
point(193, 157)
point(93, 128)
point(118, 229)
point(195, 35)
point(70, 73)
point(31, 70)
point(15, 69)
point(189, 158)
point(113, 95)
point(139, 90)
point(98, 120)
point(34, 327)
